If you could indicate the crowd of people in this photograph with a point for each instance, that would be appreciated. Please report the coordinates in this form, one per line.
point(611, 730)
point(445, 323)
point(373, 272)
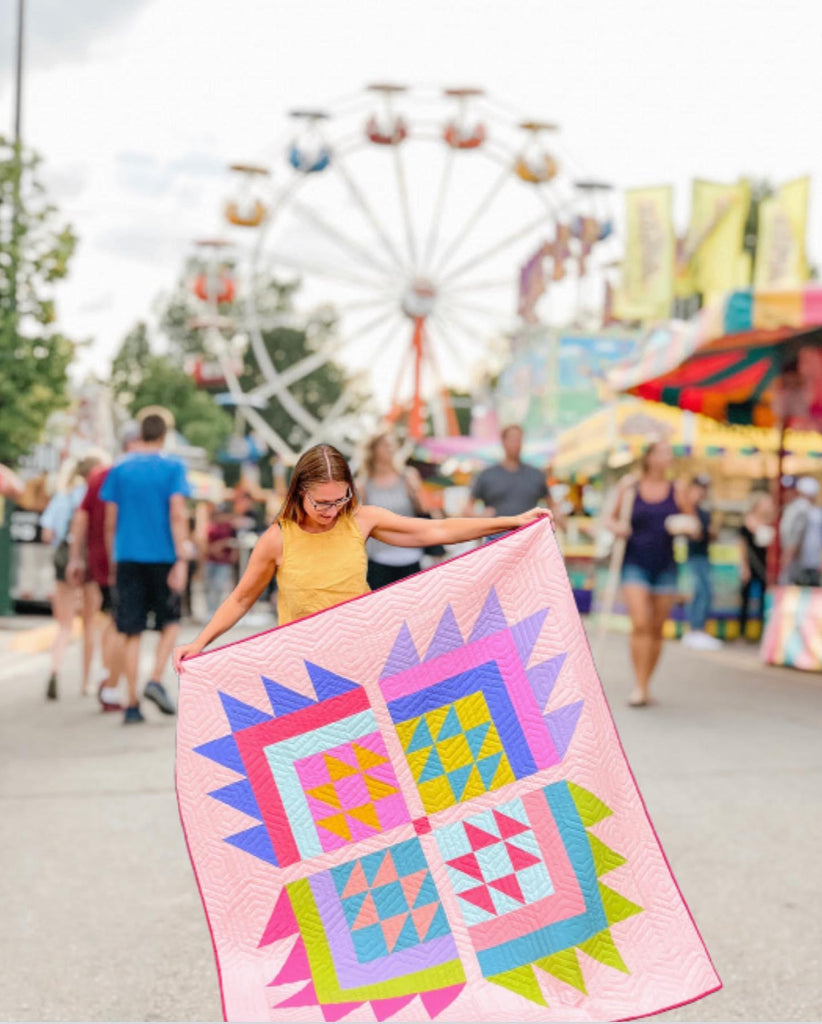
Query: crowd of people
point(126, 547)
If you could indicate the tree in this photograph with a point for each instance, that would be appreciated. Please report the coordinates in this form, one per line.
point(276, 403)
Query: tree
point(35, 251)
point(140, 377)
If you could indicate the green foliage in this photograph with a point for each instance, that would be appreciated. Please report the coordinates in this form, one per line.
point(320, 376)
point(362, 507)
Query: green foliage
point(35, 252)
point(140, 378)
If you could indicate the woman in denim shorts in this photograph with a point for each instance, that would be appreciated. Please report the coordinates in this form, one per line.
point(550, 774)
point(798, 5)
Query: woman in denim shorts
point(649, 572)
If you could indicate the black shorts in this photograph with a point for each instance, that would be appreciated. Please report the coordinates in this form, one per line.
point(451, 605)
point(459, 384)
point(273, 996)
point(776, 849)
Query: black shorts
point(109, 598)
point(142, 589)
point(380, 575)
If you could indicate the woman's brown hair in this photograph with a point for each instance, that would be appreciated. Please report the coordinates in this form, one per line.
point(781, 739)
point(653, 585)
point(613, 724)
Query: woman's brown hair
point(370, 457)
point(321, 464)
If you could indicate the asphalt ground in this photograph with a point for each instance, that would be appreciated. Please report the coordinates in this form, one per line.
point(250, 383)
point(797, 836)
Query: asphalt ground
point(101, 915)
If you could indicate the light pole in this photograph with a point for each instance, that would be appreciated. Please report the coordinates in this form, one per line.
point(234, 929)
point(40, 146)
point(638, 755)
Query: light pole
point(14, 253)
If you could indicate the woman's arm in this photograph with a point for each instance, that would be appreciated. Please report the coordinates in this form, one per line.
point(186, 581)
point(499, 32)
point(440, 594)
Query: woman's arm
point(406, 532)
point(261, 567)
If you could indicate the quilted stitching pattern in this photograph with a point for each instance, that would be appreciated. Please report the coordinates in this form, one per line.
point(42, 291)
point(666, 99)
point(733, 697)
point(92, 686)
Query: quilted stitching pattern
point(415, 806)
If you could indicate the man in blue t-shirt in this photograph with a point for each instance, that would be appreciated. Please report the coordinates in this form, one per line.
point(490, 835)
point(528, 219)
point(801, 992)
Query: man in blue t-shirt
point(146, 535)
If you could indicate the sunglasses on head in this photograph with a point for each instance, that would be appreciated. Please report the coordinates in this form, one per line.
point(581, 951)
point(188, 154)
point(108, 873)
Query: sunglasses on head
point(329, 506)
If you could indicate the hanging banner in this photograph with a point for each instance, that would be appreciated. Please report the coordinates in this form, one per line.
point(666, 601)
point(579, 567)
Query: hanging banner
point(780, 250)
point(647, 286)
point(713, 249)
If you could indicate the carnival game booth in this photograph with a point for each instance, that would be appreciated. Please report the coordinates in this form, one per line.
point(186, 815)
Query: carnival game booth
point(593, 454)
point(755, 358)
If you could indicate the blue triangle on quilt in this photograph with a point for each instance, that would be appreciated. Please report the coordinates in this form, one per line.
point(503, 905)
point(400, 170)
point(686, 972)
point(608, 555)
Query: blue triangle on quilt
point(223, 751)
point(458, 778)
point(438, 927)
point(403, 654)
point(475, 738)
point(283, 700)
point(255, 841)
point(240, 796)
point(490, 620)
point(408, 937)
point(421, 739)
point(451, 726)
point(562, 723)
point(542, 677)
point(328, 684)
point(525, 633)
point(447, 637)
point(487, 767)
point(241, 715)
point(433, 767)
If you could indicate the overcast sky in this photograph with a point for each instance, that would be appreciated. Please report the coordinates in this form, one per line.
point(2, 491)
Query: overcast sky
point(137, 105)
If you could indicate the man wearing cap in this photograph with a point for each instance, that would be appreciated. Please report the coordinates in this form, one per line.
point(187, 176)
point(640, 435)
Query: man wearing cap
point(800, 534)
point(699, 564)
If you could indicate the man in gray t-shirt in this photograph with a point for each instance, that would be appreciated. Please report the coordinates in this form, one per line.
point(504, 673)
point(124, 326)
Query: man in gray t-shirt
point(510, 487)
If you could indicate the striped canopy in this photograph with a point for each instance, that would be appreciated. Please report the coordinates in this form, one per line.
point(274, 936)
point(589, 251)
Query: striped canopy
point(725, 365)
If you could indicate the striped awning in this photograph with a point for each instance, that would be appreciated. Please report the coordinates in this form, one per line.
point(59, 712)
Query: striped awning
point(726, 366)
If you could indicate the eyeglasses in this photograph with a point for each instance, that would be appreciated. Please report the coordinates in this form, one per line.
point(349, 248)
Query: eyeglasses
point(329, 506)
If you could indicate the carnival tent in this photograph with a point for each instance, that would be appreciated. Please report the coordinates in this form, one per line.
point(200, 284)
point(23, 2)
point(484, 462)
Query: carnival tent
point(731, 362)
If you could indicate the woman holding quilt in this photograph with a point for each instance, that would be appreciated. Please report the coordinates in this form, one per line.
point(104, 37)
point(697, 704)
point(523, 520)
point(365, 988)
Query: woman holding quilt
point(317, 550)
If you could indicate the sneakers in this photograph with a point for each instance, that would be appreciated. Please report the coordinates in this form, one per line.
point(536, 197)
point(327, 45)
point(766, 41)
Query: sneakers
point(701, 641)
point(108, 696)
point(51, 689)
point(156, 693)
point(133, 715)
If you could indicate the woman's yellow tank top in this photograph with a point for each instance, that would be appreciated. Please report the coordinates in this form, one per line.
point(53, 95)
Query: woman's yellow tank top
point(320, 570)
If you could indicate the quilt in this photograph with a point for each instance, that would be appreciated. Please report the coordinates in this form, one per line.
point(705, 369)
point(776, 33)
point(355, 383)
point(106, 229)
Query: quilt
point(415, 806)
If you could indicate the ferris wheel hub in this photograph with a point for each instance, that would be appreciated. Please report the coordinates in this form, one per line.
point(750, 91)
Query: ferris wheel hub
point(420, 298)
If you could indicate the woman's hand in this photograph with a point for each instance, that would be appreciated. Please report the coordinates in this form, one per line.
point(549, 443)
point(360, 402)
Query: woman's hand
point(185, 651)
point(620, 530)
point(533, 514)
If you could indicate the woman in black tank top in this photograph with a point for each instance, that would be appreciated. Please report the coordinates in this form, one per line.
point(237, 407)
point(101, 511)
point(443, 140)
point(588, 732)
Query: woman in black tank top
point(649, 572)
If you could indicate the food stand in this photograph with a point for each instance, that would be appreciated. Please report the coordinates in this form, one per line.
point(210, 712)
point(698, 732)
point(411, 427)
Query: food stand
point(755, 358)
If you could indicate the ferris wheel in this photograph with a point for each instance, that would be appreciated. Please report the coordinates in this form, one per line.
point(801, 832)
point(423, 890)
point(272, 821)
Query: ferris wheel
point(410, 215)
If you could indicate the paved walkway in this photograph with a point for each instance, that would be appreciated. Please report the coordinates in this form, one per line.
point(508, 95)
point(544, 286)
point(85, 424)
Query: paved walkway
point(103, 920)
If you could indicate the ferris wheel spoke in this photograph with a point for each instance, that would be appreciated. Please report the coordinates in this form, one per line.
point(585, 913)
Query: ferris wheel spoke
point(329, 273)
point(270, 372)
point(342, 239)
point(479, 286)
point(501, 246)
point(367, 211)
point(442, 192)
point(251, 416)
point(331, 414)
point(352, 307)
point(443, 329)
point(361, 331)
point(473, 308)
point(402, 187)
point(481, 209)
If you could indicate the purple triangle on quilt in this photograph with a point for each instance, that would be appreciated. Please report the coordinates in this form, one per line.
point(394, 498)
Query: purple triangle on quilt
point(283, 700)
point(403, 654)
point(490, 620)
point(447, 637)
point(525, 633)
point(241, 715)
point(240, 796)
point(328, 684)
point(542, 678)
point(562, 723)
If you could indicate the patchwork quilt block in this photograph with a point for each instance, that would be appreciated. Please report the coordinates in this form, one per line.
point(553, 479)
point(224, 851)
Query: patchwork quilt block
point(415, 806)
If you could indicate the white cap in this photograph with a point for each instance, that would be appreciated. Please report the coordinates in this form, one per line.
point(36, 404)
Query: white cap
point(807, 486)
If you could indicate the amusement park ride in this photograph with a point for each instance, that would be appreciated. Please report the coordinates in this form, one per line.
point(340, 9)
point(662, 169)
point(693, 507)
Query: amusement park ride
point(410, 222)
